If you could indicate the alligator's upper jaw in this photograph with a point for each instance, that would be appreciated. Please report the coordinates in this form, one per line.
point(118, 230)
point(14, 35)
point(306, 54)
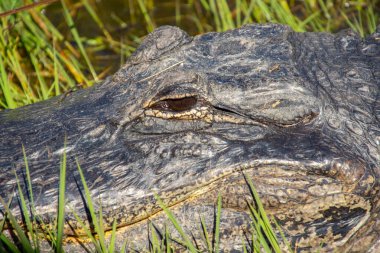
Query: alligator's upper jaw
point(317, 198)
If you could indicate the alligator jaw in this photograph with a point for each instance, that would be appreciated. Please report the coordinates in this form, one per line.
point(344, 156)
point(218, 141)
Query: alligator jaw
point(318, 194)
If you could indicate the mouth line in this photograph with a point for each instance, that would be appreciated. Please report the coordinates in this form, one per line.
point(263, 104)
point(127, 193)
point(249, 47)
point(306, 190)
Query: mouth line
point(231, 174)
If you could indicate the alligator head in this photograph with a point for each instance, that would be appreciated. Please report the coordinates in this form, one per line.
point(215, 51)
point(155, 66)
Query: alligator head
point(298, 113)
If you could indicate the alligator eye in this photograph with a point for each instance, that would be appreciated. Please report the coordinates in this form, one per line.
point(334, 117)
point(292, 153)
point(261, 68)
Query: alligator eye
point(175, 104)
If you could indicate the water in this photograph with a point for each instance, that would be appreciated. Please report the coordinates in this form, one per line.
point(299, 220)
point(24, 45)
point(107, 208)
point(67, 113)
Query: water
point(125, 22)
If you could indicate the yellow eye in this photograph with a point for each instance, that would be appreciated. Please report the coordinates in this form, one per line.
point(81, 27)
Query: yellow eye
point(175, 104)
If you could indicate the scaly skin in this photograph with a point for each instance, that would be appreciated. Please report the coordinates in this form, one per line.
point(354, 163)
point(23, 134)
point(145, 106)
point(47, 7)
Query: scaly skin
point(187, 116)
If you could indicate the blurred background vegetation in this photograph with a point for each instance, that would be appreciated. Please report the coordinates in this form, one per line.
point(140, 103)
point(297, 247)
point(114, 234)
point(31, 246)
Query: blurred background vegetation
point(60, 46)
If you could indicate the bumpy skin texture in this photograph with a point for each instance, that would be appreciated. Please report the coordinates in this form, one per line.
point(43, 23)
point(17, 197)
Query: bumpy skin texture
point(187, 116)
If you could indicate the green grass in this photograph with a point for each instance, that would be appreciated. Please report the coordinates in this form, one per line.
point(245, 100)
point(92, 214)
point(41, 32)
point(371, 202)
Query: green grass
point(36, 61)
point(61, 203)
point(28, 236)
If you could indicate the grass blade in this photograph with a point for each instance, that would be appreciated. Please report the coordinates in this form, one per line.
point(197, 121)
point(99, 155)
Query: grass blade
point(5, 87)
point(100, 231)
point(155, 241)
point(205, 233)
point(77, 39)
point(87, 231)
point(10, 245)
point(111, 247)
point(24, 210)
point(124, 247)
point(174, 221)
point(61, 202)
point(217, 224)
point(167, 240)
point(244, 246)
point(90, 204)
point(27, 247)
point(287, 243)
point(148, 20)
point(261, 220)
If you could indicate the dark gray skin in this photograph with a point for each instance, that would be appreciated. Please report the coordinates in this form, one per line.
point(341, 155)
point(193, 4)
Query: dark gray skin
point(185, 118)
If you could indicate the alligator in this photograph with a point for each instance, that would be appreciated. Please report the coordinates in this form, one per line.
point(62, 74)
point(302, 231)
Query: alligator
point(188, 118)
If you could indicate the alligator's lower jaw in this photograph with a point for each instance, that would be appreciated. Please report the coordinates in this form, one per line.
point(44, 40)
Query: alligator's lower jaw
point(316, 204)
point(312, 207)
